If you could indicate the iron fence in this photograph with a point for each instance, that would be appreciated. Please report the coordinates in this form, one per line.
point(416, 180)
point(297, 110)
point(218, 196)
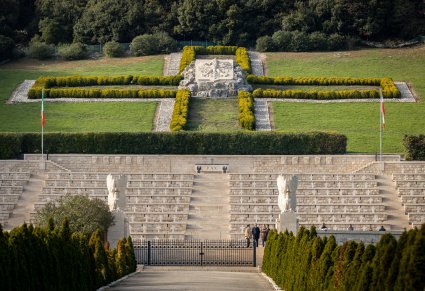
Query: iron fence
point(195, 252)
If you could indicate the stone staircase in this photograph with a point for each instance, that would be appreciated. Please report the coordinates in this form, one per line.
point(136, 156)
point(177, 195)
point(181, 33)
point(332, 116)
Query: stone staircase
point(262, 116)
point(397, 218)
point(172, 64)
point(25, 205)
point(209, 210)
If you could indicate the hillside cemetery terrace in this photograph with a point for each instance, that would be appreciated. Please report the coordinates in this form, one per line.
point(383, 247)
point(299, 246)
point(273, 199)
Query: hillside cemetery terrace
point(168, 199)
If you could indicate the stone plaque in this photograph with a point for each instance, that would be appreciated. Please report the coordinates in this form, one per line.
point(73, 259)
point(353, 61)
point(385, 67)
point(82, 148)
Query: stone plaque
point(212, 70)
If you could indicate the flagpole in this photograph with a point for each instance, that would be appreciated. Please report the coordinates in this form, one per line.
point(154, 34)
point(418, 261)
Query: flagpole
point(42, 125)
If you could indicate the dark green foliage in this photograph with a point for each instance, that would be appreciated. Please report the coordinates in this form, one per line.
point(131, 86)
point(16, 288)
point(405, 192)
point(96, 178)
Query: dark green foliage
point(414, 147)
point(246, 110)
point(306, 262)
point(35, 93)
point(73, 51)
point(6, 47)
point(265, 44)
point(85, 214)
point(10, 145)
point(40, 50)
point(113, 49)
point(149, 44)
point(57, 259)
point(243, 143)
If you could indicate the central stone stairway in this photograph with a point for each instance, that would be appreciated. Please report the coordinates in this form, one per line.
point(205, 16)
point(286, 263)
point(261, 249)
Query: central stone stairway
point(397, 218)
point(209, 210)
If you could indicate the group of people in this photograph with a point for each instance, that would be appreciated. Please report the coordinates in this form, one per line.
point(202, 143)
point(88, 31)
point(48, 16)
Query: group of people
point(256, 234)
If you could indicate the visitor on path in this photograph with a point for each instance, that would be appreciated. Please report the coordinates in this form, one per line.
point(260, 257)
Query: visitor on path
point(256, 234)
point(264, 232)
point(248, 235)
point(382, 228)
point(350, 227)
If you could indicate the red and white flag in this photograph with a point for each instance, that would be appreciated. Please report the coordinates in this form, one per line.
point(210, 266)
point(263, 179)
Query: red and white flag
point(382, 111)
point(42, 108)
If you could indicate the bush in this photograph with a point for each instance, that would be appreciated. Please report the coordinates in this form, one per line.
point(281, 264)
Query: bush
point(414, 147)
point(113, 49)
point(242, 58)
point(246, 110)
point(6, 47)
point(41, 51)
point(148, 44)
point(73, 51)
point(179, 143)
point(180, 112)
point(165, 42)
point(265, 44)
point(282, 40)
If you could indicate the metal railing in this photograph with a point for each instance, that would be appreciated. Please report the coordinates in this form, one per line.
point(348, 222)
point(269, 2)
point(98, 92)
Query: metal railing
point(195, 252)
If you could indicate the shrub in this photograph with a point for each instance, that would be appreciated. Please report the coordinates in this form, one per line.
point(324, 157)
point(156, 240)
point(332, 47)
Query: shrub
point(113, 49)
point(143, 45)
point(265, 44)
point(73, 51)
point(282, 40)
point(6, 47)
point(179, 143)
point(242, 58)
point(414, 147)
point(188, 56)
point(246, 110)
point(180, 112)
point(165, 42)
point(41, 51)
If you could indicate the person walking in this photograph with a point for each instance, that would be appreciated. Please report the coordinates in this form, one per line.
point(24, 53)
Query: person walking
point(248, 235)
point(256, 234)
point(263, 234)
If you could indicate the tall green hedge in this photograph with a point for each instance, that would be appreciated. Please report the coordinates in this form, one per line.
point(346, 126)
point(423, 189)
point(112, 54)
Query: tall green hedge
point(180, 111)
point(33, 258)
point(240, 143)
point(308, 262)
point(414, 147)
point(241, 54)
point(389, 90)
point(101, 93)
point(246, 110)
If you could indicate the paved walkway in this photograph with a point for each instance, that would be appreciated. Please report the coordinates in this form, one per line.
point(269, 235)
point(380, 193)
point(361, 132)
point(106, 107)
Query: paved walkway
point(172, 64)
point(164, 114)
point(256, 63)
point(262, 115)
point(179, 278)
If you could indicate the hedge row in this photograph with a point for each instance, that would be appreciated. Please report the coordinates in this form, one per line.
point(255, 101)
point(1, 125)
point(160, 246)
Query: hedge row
point(35, 93)
point(179, 143)
point(52, 258)
point(389, 90)
point(246, 110)
point(414, 147)
point(181, 108)
point(190, 52)
point(314, 94)
point(82, 81)
point(308, 262)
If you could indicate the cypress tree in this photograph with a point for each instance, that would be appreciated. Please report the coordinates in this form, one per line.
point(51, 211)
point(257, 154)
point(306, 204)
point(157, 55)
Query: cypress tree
point(102, 271)
point(417, 262)
point(325, 262)
point(5, 265)
point(385, 250)
point(132, 262)
point(395, 264)
point(352, 274)
point(365, 279)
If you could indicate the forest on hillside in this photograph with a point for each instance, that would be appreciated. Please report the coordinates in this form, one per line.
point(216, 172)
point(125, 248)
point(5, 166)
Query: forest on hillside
point(224, 22)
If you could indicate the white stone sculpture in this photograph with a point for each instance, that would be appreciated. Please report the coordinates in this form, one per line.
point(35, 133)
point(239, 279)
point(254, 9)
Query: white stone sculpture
point(116, 192)
point(287, 199)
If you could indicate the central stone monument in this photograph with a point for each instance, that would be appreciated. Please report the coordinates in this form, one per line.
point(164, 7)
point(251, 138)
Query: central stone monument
point(287, 201)
point(214, 78)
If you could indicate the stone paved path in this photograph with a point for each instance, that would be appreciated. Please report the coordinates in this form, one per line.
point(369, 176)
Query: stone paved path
point(172, 64)
point(405, 91)
point(164, 114)
point(256, 63)
point(262, 116)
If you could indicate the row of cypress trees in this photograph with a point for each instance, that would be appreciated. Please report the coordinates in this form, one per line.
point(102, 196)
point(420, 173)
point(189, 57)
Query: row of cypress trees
point(308, 262)
point(56, 259)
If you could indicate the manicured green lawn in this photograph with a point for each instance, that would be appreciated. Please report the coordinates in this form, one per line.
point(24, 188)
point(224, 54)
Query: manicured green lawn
point(211, 115)
point(359, 121)
point(76, 117)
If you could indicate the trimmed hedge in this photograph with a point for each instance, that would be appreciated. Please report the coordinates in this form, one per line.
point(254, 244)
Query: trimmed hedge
point(389, 90)
point(35, 93)
point(190, 52)
point(246, 110)
point(314, 94)
point(181, 108)
point(414, 147)
point(179, 143)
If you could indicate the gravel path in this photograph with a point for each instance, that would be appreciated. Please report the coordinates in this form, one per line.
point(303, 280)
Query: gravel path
point(256, 63)
point(164, 114)
point(172, 64)
point(262, 116)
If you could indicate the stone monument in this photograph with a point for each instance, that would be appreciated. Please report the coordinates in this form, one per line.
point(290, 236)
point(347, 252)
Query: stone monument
point(117, 203)
point(214, 78)
point(287, 201)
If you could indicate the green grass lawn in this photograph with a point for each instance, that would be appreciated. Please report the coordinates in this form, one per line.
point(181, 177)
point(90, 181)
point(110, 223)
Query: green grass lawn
point(213, 115)
point(76, 117)
point(359, 121)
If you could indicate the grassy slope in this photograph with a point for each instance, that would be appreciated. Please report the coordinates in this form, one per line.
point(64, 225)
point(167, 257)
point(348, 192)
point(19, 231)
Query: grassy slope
point(359, 121)
point(213, 115)
point(77, 116)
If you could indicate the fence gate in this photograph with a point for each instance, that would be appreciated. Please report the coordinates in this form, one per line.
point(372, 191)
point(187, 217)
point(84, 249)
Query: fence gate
point(194, 252)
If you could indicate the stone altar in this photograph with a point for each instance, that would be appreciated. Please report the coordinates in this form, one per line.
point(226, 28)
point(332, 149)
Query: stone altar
point(214, 78)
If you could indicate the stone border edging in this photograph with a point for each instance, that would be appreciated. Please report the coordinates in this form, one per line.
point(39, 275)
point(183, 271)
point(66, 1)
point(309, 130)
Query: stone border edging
point(117, 281)
point(271, 281)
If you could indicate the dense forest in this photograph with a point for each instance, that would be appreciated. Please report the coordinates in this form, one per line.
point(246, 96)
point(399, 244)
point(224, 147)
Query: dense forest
point(224, 22)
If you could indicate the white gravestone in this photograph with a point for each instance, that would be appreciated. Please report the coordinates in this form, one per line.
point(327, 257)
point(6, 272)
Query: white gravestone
point(117, 203)
point(287, 203)
point(212, 70)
